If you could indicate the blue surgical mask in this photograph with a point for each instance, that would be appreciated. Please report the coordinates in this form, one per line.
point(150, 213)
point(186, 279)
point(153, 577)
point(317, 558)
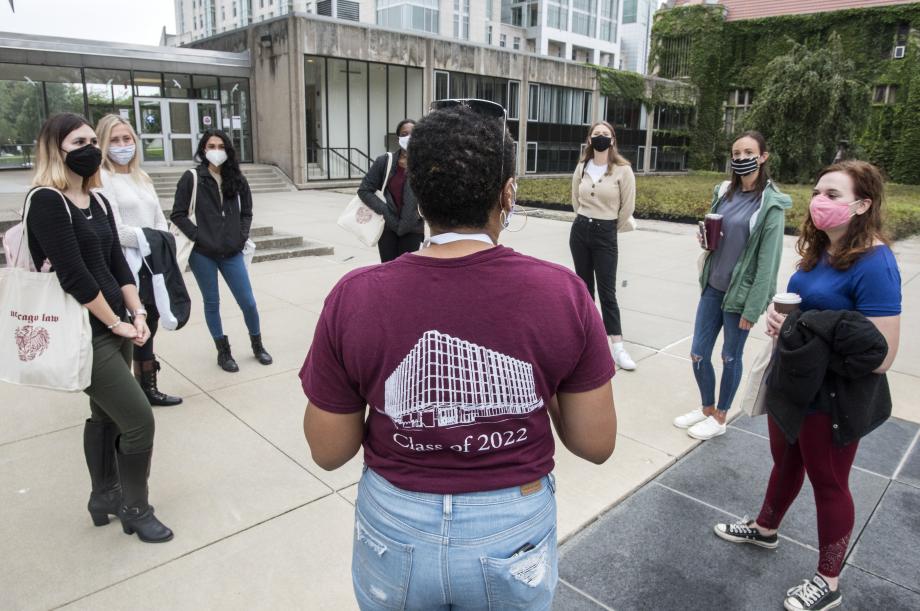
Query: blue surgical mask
point(122, 155)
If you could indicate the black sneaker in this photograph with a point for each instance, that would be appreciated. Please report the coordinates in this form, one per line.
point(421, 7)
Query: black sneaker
point(814, 595)
point(743, 531)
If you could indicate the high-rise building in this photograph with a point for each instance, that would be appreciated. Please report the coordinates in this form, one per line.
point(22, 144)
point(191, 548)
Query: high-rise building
point(578, 30)
point(635, 34)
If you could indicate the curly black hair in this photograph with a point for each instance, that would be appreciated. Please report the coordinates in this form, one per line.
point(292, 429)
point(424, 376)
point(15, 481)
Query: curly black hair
point(231, 177)
point(455, 156)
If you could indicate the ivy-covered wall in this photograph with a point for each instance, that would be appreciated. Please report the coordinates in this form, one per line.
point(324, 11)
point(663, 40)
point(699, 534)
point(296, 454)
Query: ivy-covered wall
point(696, 44)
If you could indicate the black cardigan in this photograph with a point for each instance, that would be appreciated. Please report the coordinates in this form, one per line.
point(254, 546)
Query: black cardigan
point(221, 225)
point(84, 253)
point(408, 220)
point(825, 358)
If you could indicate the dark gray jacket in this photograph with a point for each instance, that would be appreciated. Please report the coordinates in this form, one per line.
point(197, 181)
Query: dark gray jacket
point(825, 359)
point(407, 221)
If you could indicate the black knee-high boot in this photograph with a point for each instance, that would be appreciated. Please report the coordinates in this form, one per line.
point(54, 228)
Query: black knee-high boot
point(99, 449)
point(135, 512)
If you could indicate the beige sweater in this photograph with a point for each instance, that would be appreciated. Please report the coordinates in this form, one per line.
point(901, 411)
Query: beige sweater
point(613, 196)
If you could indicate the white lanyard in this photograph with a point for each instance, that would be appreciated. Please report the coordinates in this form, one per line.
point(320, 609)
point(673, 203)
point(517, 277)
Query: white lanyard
point(447, 238)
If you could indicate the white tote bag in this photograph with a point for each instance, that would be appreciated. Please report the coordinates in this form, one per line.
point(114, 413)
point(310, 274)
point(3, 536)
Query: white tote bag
point(184, 245)
point(45, 334)
point(360, 220)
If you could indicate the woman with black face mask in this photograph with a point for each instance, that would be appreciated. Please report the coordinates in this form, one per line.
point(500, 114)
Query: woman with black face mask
point(604, 197)
point(737, 279)
point(73, 227)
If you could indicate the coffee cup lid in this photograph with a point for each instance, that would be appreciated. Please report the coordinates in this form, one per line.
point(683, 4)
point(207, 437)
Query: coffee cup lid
point(713, 215)
point(787, 298)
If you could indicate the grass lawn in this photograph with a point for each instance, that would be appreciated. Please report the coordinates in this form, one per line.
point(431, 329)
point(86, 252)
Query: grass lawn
point(687, 198)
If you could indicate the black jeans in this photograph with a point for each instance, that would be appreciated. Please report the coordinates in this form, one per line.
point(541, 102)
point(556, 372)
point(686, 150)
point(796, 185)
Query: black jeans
point(392, 245)
point(594, 250)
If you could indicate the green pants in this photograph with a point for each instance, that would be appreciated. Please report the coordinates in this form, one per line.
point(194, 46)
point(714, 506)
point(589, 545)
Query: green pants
point(115, 396)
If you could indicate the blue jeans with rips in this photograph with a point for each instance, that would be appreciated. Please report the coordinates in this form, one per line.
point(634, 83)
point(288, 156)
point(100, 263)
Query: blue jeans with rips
point(710, 319)
point(431, 552)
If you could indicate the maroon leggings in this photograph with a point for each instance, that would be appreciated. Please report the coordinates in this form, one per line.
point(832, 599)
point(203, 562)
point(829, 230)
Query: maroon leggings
point(828, 468)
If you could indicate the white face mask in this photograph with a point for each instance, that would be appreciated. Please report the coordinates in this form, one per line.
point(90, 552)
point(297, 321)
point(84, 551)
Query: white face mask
point(404, 142)
point(216, 156)
point(122, 155)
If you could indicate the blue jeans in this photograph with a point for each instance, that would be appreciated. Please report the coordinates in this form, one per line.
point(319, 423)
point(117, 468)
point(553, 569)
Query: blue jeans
point(709, 319)
point(480, 550)
point(233, 269)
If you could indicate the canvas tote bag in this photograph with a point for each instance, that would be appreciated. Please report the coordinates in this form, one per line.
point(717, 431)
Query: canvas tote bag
point(45, 334)
point(360, 220)
point(184, 245)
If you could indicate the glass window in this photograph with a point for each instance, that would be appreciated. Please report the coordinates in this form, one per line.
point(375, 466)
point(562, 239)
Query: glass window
point(514, 89)
point(414, 93)
point(630, 11)
point(357, 118)
point(205, 88)
point(148, 84)
point(533, 101)
point(109, 91)
point(396, 96)
point(177, 85)
point(235, 113)
point(441, 85)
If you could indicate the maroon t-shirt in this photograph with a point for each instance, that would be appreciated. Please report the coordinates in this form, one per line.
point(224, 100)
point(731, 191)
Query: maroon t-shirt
point(395, 187)
point(456, 359)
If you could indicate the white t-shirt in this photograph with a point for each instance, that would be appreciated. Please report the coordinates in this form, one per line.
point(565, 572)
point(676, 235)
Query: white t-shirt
point(595, 171)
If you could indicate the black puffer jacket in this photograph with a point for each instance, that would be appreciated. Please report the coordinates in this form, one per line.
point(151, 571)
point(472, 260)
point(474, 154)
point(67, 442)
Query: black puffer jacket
point(826, 358)
point(222, 223)
point(407, 220)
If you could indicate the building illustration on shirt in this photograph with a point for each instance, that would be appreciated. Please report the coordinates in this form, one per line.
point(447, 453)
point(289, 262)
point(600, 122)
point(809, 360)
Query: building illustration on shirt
point(445, 382)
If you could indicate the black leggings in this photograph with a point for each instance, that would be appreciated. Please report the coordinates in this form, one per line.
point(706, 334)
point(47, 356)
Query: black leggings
point(145, 352)
point(392, 245)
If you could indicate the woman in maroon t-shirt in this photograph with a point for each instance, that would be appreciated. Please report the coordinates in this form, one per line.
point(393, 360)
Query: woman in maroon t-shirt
point(452, 395)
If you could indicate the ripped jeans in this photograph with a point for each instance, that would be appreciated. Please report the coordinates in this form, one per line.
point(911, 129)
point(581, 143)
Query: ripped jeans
point(709, 320)
point(480, 550)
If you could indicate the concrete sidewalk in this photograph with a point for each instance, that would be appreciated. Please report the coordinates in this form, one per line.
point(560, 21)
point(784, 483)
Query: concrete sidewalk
point(258, 525)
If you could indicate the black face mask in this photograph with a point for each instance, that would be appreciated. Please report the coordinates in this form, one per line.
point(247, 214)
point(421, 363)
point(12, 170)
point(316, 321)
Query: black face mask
point(601, 143)
point(84, 161)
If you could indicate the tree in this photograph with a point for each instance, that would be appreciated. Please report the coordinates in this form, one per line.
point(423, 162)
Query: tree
point(808, 102)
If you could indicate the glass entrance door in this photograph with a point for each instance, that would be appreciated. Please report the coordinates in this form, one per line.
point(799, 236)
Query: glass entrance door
point(170, 129)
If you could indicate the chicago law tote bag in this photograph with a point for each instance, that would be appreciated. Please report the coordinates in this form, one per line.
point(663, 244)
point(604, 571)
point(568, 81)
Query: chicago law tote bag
point(364, 223)
point(45, 334)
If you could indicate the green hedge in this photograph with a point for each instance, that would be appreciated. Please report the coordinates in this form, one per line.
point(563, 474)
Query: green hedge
point(686, 199)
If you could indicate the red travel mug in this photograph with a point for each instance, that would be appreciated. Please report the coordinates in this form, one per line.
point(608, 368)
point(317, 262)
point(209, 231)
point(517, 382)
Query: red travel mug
point(712, 226)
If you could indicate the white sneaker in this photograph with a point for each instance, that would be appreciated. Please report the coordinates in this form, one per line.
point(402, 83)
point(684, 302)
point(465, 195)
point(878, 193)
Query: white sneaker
point(623, 360)
point(689, 419)
point(707, 429)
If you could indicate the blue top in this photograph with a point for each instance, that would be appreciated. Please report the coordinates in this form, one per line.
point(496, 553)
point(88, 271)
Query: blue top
point(871, 286)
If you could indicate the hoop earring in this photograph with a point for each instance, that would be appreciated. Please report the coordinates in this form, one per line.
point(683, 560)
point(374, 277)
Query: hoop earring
point(503, 219)
point(518, 212)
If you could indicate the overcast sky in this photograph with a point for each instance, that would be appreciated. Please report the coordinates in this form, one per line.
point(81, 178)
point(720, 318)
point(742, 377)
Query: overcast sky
point(137, 21)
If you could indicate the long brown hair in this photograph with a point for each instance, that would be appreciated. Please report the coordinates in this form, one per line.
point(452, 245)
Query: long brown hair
point(50, 169)
point(863, 230)
point(764, 175)
point(613, 155)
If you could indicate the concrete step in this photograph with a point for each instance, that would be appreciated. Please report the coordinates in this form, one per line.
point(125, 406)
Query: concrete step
point(277, 240)
point(309, 249)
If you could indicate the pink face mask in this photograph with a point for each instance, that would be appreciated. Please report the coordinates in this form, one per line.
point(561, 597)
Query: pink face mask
point(827, 214)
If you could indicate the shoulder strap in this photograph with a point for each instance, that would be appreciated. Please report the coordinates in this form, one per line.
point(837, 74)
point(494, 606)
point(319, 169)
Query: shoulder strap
point(386, 177)
point(723, 188)
point(103, 203)
point(24, 239)
point(191, 205)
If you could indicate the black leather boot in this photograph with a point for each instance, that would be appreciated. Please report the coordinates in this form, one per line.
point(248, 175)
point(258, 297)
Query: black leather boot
point(135, 512)
point(146, 374)
point(99, 448)
point(224, 358)
point(259, 350)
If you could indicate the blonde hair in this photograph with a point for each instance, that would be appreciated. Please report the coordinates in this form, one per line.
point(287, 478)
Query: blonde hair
point(613, 155)
point(104, 129)
point(50, 169)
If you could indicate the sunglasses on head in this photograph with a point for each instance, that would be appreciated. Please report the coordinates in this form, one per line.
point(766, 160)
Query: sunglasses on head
point(485, 108)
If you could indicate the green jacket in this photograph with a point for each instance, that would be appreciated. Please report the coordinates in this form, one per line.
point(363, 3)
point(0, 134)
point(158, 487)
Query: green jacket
point(753, 282)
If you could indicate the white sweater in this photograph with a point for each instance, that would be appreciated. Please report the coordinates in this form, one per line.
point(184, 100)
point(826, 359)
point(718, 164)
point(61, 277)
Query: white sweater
point(134, 204)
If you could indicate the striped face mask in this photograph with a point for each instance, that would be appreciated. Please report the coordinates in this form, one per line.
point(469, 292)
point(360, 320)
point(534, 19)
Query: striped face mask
point(743, 167)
